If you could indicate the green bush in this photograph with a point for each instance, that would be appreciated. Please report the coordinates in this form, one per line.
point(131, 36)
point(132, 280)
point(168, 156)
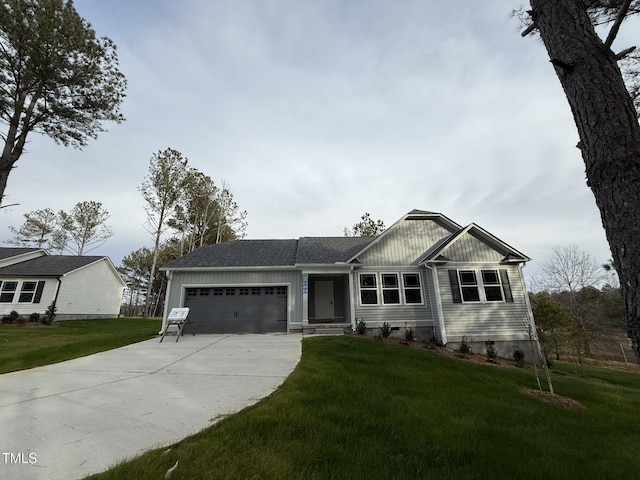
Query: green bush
point(49, 315)
point(491, 352)
point(361, 327)
point(385, 330)
point(466, 346)
point(409, 334)
point(34, 317)
point(518, 357)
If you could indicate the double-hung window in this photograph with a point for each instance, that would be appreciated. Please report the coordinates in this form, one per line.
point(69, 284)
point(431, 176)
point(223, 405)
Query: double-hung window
point(412, 288)
point(8, 291)
point(390, 289)
point(368, 289)
point(488, 285)
point(492, 286)
point(27, 291)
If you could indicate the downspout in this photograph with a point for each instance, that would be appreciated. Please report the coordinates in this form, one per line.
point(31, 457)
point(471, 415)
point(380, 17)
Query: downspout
point(165, 314)
point(439, 313)
point(352, 307)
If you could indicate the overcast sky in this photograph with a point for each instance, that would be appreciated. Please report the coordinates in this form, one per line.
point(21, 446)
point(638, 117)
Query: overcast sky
point(316, 111)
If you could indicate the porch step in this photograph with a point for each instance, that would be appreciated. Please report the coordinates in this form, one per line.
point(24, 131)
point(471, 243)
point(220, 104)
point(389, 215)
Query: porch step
point(326, 329)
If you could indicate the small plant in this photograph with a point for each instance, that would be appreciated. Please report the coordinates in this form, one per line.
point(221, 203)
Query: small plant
point(409, 334)
point(466, 346)
point(518, 357)
point(385, 330)
point(14, 315)
point(361, 327)
point(491, 352)
point(34, 317)
point(49, 315)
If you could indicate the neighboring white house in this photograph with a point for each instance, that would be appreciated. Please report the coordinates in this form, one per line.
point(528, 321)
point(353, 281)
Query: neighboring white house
point(426, 272)
point(81, 286)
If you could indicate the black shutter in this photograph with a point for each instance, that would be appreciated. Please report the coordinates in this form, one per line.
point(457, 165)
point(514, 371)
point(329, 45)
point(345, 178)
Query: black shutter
point(39, 288)
point(506, 286)
point(455, 286)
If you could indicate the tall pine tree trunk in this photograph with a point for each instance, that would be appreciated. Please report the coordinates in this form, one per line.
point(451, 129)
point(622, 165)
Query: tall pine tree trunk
point(609, 135)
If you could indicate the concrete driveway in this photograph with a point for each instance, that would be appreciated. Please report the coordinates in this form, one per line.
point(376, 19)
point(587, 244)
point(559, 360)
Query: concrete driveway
point(68, 420)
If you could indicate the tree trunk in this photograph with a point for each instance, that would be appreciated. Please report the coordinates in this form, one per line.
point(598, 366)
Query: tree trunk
point(609, 135)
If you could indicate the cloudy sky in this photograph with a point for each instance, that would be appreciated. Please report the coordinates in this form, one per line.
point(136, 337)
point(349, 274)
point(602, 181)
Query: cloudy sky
point(316, 111)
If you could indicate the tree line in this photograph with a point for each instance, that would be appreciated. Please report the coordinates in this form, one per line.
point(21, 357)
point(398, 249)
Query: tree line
point(578, 307)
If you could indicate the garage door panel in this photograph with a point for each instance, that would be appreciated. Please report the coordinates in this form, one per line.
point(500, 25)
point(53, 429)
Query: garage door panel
point(238, 309)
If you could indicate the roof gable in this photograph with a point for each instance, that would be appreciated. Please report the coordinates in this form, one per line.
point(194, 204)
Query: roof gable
point(471, 244)
point(405, 242)
point(49, 266)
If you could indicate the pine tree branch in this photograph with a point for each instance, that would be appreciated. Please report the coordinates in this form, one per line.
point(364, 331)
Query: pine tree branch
point(613, 33)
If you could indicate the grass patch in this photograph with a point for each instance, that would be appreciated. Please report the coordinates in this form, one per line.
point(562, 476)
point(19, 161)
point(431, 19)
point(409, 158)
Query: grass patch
point(355, 408)
point(34, 346)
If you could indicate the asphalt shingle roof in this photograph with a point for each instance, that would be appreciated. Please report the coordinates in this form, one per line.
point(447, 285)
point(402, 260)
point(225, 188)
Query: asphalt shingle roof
point(273, 253)
point(240, 253)
point(323, 250)
point(8, 252)
point(48, 265)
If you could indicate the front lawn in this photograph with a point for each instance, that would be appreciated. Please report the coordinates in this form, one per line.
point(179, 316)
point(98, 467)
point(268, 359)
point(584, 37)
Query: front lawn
point(31, 346)
point(357, 408)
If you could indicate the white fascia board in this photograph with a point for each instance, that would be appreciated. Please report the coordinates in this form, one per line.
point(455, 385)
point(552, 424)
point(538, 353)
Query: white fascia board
point(228, 269)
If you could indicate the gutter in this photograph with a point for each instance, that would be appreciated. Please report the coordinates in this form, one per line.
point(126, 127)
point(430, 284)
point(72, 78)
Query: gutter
point(439, 313)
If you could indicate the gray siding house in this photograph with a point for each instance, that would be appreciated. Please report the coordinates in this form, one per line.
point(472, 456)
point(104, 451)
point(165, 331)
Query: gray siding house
point(82, 286)
point(426, 272)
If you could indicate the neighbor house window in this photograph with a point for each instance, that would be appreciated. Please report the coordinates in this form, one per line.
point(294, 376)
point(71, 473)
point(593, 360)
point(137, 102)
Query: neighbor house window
point(368, 289)
point(269, 291)
point(281, 290)
point(27, 292)
point(192, 292)
point(8, 291)
point(390, 289)
point(244, 291)
point(412, 288)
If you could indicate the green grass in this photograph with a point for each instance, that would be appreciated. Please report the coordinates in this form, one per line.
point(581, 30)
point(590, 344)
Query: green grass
point(355, 409)
point(24, 347)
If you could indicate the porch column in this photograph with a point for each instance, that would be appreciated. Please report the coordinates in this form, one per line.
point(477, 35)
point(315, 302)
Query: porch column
point(305, 299)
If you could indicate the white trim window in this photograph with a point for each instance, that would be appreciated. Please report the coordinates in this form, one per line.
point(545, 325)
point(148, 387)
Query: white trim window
point(368, 288)
point(412, 288)
point(27, 292)
point(483, 286)
point(390, 288)
point(8, 291)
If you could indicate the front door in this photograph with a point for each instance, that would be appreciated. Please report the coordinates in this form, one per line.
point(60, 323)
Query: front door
point(324, 300)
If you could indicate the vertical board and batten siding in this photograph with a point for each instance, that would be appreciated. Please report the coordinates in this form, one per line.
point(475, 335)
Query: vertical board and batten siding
point(290, 278)
point(92, 291)
point(405, 243)
point(471, 249)
point(485, 321)
point(395, 315)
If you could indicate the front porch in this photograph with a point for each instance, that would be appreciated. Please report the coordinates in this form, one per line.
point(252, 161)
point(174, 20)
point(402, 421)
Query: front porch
point(328, 305)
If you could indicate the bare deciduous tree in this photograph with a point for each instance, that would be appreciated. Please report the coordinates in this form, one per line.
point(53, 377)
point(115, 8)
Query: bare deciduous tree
point(161, 191)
